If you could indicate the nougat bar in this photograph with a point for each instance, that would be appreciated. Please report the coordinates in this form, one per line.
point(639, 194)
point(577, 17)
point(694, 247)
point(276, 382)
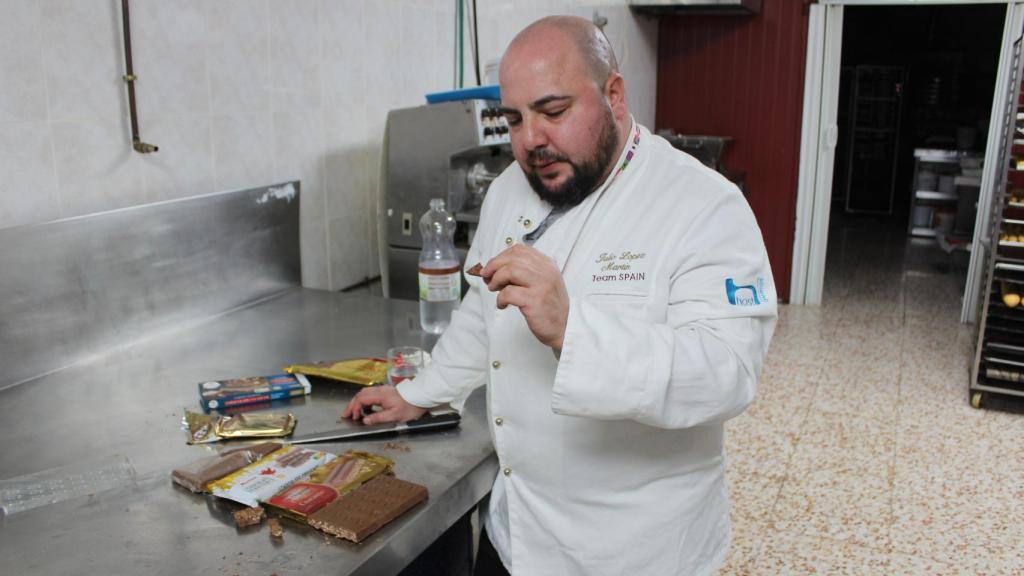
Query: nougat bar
point(363, 511)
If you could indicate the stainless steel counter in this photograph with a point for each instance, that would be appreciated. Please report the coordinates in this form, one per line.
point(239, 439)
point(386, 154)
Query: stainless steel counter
point(129, 403)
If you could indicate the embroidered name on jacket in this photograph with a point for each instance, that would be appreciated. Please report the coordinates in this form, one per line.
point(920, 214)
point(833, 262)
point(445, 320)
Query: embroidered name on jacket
point(623, 266)
point(746, 294)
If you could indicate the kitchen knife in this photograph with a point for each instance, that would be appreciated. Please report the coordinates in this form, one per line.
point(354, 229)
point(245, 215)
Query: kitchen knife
point(355, 429)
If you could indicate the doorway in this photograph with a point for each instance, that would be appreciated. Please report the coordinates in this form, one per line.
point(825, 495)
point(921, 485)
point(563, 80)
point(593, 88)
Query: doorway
point(884, 80)
point(916, 87)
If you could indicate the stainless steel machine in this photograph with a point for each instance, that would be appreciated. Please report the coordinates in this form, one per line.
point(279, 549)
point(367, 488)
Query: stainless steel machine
point(450, 150)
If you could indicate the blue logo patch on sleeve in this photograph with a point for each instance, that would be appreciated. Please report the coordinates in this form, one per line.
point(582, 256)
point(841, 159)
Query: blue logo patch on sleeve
point(746, 294)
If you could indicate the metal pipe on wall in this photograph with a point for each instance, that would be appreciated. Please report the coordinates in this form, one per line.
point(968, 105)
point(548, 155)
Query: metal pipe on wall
point(129, 78)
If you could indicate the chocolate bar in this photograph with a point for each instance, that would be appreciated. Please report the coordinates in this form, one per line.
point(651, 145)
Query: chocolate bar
point(328, 481)
point(363, 511)
point(204, 428)
point(197, 475)
point(255, 389)
point(260, 480)
point(258, 450)
point(476, 270)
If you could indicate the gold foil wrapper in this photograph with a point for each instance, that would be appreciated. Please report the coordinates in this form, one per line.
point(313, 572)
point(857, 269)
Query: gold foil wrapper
point(255, 425)
point(351, 470)
point(204, 428)
point(363, 371)
point(200, 427)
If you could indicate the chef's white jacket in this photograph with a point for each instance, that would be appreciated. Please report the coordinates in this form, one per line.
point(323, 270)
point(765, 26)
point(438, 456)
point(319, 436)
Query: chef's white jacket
point(611, 456)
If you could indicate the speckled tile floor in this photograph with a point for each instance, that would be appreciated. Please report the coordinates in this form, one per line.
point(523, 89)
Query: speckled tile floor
point(861, 454)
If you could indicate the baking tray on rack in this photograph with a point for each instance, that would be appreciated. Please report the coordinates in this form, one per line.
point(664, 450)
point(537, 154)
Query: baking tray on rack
point(1008, 274)
point(1008, 325)
point(1010, 252)
point(999, 385)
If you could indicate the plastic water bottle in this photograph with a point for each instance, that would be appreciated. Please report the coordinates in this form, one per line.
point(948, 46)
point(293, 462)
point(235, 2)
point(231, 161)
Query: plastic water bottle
point(440, 274)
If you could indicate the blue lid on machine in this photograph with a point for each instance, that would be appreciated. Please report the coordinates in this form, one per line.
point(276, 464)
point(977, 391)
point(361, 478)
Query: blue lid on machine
point(492, 92)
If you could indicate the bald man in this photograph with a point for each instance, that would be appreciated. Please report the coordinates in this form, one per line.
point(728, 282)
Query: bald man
point(623, 314)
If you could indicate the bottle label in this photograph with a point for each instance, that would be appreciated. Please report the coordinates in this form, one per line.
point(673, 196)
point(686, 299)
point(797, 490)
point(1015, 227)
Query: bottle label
point(436, 287)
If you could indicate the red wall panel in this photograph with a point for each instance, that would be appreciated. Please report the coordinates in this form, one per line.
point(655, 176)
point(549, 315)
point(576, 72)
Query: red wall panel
point(742, 76)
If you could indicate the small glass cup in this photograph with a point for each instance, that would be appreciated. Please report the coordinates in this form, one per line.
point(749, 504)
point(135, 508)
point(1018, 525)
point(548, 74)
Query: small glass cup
point(403, 363)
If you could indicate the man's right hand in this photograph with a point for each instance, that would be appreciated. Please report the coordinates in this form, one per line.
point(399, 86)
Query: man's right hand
point(393, 408)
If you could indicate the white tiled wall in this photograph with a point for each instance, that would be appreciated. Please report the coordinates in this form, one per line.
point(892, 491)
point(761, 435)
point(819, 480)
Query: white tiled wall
point(238, 93)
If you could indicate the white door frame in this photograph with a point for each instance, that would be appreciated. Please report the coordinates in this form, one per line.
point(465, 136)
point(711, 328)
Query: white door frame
point(818, 137)
point(990, 174)
point(819, 134)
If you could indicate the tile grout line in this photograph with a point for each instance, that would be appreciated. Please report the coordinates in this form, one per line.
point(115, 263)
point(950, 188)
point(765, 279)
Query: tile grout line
point(848, 309)
point(770, 520)
point(831, 335)
point(896, 424)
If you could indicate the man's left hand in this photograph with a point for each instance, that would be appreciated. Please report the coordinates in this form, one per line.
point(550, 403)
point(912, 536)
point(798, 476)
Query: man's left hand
point(531, 281)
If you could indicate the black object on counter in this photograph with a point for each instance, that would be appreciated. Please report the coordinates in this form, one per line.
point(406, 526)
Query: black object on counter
point(355, 429)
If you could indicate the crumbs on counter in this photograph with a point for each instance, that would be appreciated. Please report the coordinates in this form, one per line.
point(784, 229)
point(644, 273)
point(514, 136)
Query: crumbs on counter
point(276, 530)
point(249, 517)
point(397, 446)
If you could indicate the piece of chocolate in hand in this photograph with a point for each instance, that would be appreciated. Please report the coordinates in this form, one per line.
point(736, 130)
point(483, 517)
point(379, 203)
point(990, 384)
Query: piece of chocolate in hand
point(476, 270)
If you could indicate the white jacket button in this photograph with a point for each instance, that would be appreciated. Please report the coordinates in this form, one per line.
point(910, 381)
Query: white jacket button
point(496, 364)
point(499, 421)
point(507, 471)
point(526, 223)
point(508, 241)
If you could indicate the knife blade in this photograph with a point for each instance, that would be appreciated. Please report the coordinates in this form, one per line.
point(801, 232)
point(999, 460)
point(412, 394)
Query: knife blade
point(358, 430)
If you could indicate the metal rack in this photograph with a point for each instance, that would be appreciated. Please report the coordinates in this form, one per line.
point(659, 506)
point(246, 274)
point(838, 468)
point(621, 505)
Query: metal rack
point(928, 196)
point(999, 352)
point(876, 112)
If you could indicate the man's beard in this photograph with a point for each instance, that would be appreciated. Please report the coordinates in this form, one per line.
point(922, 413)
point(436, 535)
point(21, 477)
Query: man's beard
point(586, 175)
